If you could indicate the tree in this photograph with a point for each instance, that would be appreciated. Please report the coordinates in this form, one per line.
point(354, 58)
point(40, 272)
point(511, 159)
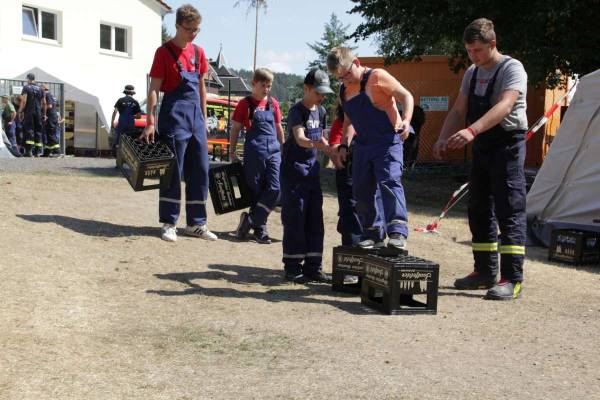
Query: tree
point(256, 4)
point(335, 35)
point(550, 37)
point(165, 37)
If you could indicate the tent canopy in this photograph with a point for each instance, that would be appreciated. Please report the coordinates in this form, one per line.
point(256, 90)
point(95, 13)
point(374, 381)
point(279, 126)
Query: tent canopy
point(71, 92)
point(565, 193)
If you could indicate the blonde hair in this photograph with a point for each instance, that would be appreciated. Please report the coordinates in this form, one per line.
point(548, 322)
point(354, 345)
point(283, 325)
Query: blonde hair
point(482, 29)
point(339, 57)
point(187, 13)
point(263, 75)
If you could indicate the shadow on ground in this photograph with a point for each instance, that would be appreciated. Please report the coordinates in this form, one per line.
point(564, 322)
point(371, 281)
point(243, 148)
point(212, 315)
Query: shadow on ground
point(91, 227)
point(280, 290)
point(230, 237)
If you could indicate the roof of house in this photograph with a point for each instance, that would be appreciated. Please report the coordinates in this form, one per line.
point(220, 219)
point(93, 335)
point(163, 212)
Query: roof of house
point(165, 5)
point(238, 85)
point(213, 77)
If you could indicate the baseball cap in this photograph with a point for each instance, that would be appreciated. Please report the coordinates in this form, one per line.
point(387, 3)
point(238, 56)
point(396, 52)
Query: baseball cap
point(31, 76)
point(319, 80)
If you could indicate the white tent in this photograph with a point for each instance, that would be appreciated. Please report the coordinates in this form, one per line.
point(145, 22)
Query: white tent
point(566, 191)
point(4, 151)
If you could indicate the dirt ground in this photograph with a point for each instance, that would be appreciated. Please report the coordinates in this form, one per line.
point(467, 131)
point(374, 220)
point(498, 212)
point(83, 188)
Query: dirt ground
point(96, 306)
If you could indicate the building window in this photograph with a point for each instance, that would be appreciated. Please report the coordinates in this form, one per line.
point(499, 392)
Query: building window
point(114, 38)
point(40, 23)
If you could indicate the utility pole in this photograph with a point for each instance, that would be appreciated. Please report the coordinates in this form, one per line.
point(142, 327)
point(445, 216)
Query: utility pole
point(258, 2)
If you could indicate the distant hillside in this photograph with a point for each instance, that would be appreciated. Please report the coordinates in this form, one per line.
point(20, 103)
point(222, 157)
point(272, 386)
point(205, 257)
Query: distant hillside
point(281, 86)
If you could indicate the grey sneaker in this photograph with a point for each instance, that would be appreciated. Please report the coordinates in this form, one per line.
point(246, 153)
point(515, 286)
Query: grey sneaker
point(397, 241)
point(370, 244)
point(350, 279)
point(200, 231)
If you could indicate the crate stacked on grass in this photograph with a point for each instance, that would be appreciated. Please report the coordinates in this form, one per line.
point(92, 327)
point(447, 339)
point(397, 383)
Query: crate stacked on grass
point(390, 284)
point(575, 247)
point(138, 161)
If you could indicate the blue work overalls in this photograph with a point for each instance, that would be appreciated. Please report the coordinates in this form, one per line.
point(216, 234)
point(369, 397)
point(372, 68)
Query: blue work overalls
point(377, 164)
point(181, 126)
point(52, 128)
point(497, 192)
point(32, 120)
point(262, 159)
point(126, 121)
point(348, 223)
point(302, 202)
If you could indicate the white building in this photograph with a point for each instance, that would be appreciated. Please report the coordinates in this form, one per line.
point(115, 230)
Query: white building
point(94, 47)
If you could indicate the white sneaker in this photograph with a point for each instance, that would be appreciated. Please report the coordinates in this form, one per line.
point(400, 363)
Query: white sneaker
point(200, 231)
point(169, 233)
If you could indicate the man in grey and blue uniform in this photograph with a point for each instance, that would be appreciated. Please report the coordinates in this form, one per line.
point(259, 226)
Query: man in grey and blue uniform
point(493, 100)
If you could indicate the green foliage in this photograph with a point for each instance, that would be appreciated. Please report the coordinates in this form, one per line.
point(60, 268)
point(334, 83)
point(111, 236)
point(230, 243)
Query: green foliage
point(335, 35)
point(165, 37)
point(550, 37)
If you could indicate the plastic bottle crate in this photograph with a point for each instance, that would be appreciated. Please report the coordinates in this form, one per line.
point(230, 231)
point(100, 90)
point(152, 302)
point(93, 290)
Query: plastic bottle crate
point(138, 161)
point(348, 260)
point(390, 283)
point(575, 247)
point(222, 183)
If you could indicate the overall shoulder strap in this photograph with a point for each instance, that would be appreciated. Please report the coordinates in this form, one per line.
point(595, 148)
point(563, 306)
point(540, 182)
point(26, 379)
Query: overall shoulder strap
point(342, 92)
point(172, 52)
point(365, 78)
point(492, 81)
point(473, 81)
point(251, 107)
point(196, 61)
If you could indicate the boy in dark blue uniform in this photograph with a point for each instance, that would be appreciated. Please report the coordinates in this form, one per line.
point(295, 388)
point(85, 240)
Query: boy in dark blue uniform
point(32, 108)
point(261, 116)
point(492, 97)
point(128, 109)
point(301, 196)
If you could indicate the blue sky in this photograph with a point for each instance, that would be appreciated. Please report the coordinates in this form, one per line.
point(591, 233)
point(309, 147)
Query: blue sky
point(283, 31)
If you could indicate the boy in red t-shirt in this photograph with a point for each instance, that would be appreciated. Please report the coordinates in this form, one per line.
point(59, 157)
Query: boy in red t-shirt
point(260, 115)
point(178, 70)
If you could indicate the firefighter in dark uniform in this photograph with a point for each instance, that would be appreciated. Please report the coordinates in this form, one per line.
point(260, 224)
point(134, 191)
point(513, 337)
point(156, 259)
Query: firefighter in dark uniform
point(32, 110)
point(128, 109)
point(51, 125)
point(492, 98)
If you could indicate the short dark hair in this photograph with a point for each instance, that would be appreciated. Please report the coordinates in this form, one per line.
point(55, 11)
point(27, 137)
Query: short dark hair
point(482, 29)
point(187, 13)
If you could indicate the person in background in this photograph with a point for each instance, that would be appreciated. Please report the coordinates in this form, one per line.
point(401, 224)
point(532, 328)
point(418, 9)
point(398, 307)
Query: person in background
point(9, 125)
point(51, 125)
point(128, 109)
point(32, 110)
